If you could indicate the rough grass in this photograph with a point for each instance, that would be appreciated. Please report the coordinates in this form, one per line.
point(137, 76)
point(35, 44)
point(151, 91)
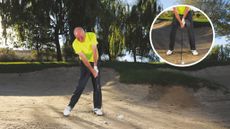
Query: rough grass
point(153, 74)
point(23, 67)
point(194, 19)
point(135, 73)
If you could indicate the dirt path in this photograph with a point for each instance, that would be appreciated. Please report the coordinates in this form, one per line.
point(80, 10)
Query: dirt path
point(36, 100)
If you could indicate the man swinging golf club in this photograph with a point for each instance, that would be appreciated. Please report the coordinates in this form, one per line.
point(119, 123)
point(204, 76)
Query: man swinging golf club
point(182, 18)
point(85, 45)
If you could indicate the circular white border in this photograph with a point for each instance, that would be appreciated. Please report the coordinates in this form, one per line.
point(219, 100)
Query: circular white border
point(178, 65)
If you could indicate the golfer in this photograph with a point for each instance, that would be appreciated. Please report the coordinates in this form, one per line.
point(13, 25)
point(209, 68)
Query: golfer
point(182, 18)
point(85, 45)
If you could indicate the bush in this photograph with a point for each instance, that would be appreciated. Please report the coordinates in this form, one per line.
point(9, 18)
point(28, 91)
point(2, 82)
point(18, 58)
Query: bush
point(8, 55)
point(68, 53)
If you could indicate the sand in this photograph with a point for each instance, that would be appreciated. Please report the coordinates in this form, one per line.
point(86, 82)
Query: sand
point(37, 99)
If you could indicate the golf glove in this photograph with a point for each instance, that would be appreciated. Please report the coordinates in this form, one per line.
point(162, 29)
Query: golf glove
point(183, 21)
point(96, 69)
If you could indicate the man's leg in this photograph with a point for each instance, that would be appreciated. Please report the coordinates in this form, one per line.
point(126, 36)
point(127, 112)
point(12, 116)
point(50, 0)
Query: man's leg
point(84, 76)
point(189, 26)
point(97, 96)
point(173, 31)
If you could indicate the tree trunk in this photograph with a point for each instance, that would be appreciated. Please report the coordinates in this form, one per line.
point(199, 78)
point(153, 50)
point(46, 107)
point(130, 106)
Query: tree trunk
point(58, 48)
point(38, 52)
point(134, 55)
point(108, 51)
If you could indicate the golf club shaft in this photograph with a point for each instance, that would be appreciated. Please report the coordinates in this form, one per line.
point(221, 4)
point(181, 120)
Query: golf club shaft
point(182, 38)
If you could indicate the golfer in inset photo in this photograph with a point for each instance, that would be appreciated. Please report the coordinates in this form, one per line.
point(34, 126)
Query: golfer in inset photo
point(182, 35)
point(182, 19)
point(85, 45)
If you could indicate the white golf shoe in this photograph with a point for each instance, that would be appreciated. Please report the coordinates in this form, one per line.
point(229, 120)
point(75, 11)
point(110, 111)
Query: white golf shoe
point(67, 111)
point(169, 52)
point(194, 52)
point(98, 111)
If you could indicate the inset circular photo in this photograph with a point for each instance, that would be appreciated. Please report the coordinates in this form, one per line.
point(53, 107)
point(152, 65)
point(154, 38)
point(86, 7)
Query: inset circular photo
point(182, 35)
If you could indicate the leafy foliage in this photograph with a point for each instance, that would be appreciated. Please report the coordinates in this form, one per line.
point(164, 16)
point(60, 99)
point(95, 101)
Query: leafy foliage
point(39, 24)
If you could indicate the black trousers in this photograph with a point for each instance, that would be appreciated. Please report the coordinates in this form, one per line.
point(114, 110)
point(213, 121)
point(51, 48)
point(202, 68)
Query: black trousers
point(85, 74)
point(188, 25)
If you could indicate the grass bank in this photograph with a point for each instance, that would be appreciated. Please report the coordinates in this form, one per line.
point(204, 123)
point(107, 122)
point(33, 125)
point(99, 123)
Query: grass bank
point(154, 74)
point(135, 73)
point(23, 67)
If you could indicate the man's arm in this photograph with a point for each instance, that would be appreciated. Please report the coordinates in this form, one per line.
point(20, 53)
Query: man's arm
point(87, 64)
point(186, 12)
point(95, 54)
point(177, 17)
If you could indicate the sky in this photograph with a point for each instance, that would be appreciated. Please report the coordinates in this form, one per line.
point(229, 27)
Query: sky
point(168, 3)
point(130, 2)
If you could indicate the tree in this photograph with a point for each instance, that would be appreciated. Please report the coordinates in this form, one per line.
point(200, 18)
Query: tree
point(31, 21)
point(105, 19)
point(58, 21)
point(5, 15)
point(218, 11)
point(39, 24)
point(116, 41)
point(138, 24)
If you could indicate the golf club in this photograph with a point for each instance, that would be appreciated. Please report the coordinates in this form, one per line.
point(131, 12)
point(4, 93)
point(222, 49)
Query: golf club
point(182, 41)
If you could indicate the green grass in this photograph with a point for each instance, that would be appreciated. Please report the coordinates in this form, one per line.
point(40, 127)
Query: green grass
point(165, 18)
point(135, 73)
point(204, 64)
point(23, 67)
point(140, 73)
point(19, 63)
point(199, 66)
point(205, 20)
point(199, 20)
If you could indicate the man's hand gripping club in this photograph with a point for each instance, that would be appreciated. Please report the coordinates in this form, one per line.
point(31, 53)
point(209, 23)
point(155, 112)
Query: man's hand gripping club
point(87, 64)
